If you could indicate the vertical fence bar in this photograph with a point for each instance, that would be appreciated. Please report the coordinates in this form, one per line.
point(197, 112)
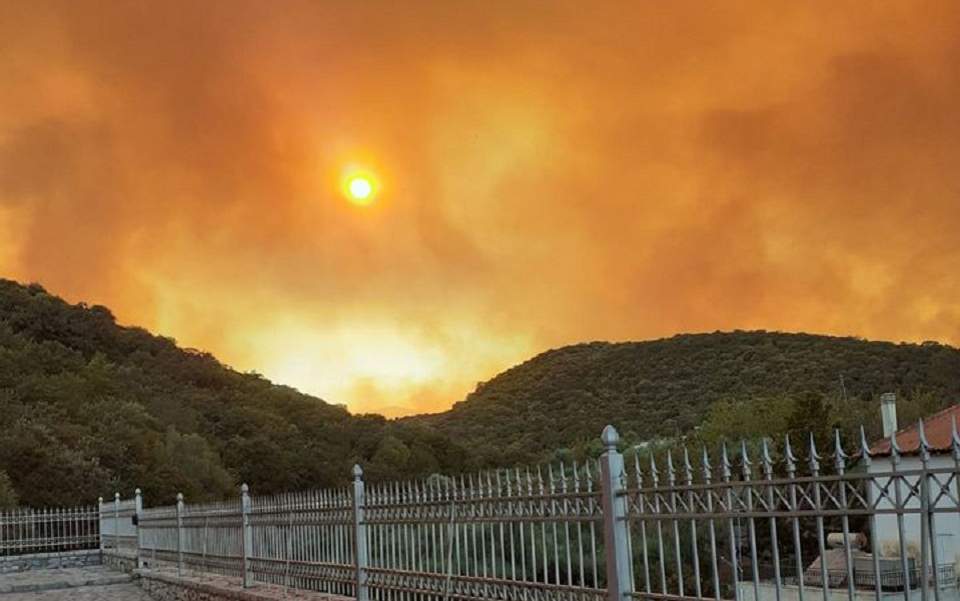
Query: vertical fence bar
point(818, 505)
point(900, 507)
point(748, 491)
point(726, 474)
point(619, 578)
point(771, 507)
point(138, 517)
point(180, 534)
point(247, 536)
point(116, 521)
point(362, 592)
point(100, 524)
point(928, 530)
point(791, 466)
point(872, 501)
point(840, 464)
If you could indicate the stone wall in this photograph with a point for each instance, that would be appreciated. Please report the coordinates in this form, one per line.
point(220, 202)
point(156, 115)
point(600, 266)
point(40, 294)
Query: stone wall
point(125, 562)
point(45, 561)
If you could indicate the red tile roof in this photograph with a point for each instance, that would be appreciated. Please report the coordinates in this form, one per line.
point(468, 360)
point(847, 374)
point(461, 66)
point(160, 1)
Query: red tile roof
point(938, 429)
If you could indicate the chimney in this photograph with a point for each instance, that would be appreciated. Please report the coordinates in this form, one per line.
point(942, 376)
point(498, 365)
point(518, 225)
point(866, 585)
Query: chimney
point(888, 413)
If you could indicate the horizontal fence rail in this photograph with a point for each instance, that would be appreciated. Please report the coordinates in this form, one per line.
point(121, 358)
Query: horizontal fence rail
point(765, 522)
point(55, 530)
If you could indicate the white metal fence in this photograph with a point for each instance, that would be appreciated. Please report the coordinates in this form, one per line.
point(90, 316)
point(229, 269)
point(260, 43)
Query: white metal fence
point(26, 531)
point(117, 528)
point(760, 524)
point(507, 534)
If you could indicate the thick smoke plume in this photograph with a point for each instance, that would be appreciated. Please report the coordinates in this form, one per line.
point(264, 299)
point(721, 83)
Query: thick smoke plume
point(551, 172)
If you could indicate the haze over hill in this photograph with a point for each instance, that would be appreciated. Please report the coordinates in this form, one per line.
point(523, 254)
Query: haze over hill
point(89, 406)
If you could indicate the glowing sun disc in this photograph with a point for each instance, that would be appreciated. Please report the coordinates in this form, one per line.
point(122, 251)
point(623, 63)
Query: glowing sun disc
point(360, 189)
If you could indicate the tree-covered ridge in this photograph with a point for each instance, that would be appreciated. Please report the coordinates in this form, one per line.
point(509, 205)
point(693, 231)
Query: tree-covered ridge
point(88, 407)
point(664, 388)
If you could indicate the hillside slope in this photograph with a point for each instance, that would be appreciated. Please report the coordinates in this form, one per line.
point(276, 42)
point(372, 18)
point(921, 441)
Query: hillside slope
point(564, 397)
point(89, 407)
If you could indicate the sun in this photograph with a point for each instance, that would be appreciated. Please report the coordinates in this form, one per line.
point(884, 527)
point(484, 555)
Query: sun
point(360, 188)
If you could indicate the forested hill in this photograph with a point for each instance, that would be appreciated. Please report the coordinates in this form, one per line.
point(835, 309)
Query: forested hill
point(87, 407)
point(564, 397)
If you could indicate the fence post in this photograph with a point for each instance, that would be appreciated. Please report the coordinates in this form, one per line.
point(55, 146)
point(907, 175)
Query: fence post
point(179, 534)
point(100, 523)
point(247, 538)
point(116, 522)
point(360, 535)
point(138, 515)
point(615, 532)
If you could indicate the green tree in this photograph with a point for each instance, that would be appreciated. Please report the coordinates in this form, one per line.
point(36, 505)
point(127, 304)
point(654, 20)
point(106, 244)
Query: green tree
point(8, 496)
point(811, 416)
point(747, 419)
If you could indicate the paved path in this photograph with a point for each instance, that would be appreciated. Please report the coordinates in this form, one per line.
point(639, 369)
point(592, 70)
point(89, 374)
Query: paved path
point(70, 584)
point(116, 592)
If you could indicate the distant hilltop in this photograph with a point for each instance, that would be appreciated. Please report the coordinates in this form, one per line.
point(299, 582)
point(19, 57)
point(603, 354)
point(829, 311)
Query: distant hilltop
point(564, 397)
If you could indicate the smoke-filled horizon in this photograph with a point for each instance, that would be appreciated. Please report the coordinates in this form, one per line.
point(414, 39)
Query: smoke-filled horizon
point(547, 173)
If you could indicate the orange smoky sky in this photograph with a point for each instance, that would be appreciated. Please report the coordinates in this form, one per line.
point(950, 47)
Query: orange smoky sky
point(548, 172)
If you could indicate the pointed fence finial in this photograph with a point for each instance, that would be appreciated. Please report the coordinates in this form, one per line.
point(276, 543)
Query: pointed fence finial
point(687, 468)
point(726, 470)
point(654, 472)
point(922, 444)
point(864, 447)
point(814, 456)
point(894, 449)
point(638, 473)
point(839, 456)
point(705, 464)
point(745, 463)
point(671, 473)
point(790, 458)
point(765, 460)
point(609, 437)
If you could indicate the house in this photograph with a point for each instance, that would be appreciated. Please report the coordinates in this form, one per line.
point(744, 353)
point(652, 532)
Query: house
point(909, 489)
point(937, 432)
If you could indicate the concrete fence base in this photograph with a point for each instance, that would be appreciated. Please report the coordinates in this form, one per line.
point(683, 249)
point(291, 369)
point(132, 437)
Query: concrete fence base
point(46, 561)
point(119, 560)
point(168, 587)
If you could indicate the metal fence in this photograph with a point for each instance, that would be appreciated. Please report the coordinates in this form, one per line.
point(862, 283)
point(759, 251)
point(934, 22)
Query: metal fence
point(54, 530)
point(193, 537)
point(757, 524)
point(117, 528)
point(506, 534)
point(767, 525)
